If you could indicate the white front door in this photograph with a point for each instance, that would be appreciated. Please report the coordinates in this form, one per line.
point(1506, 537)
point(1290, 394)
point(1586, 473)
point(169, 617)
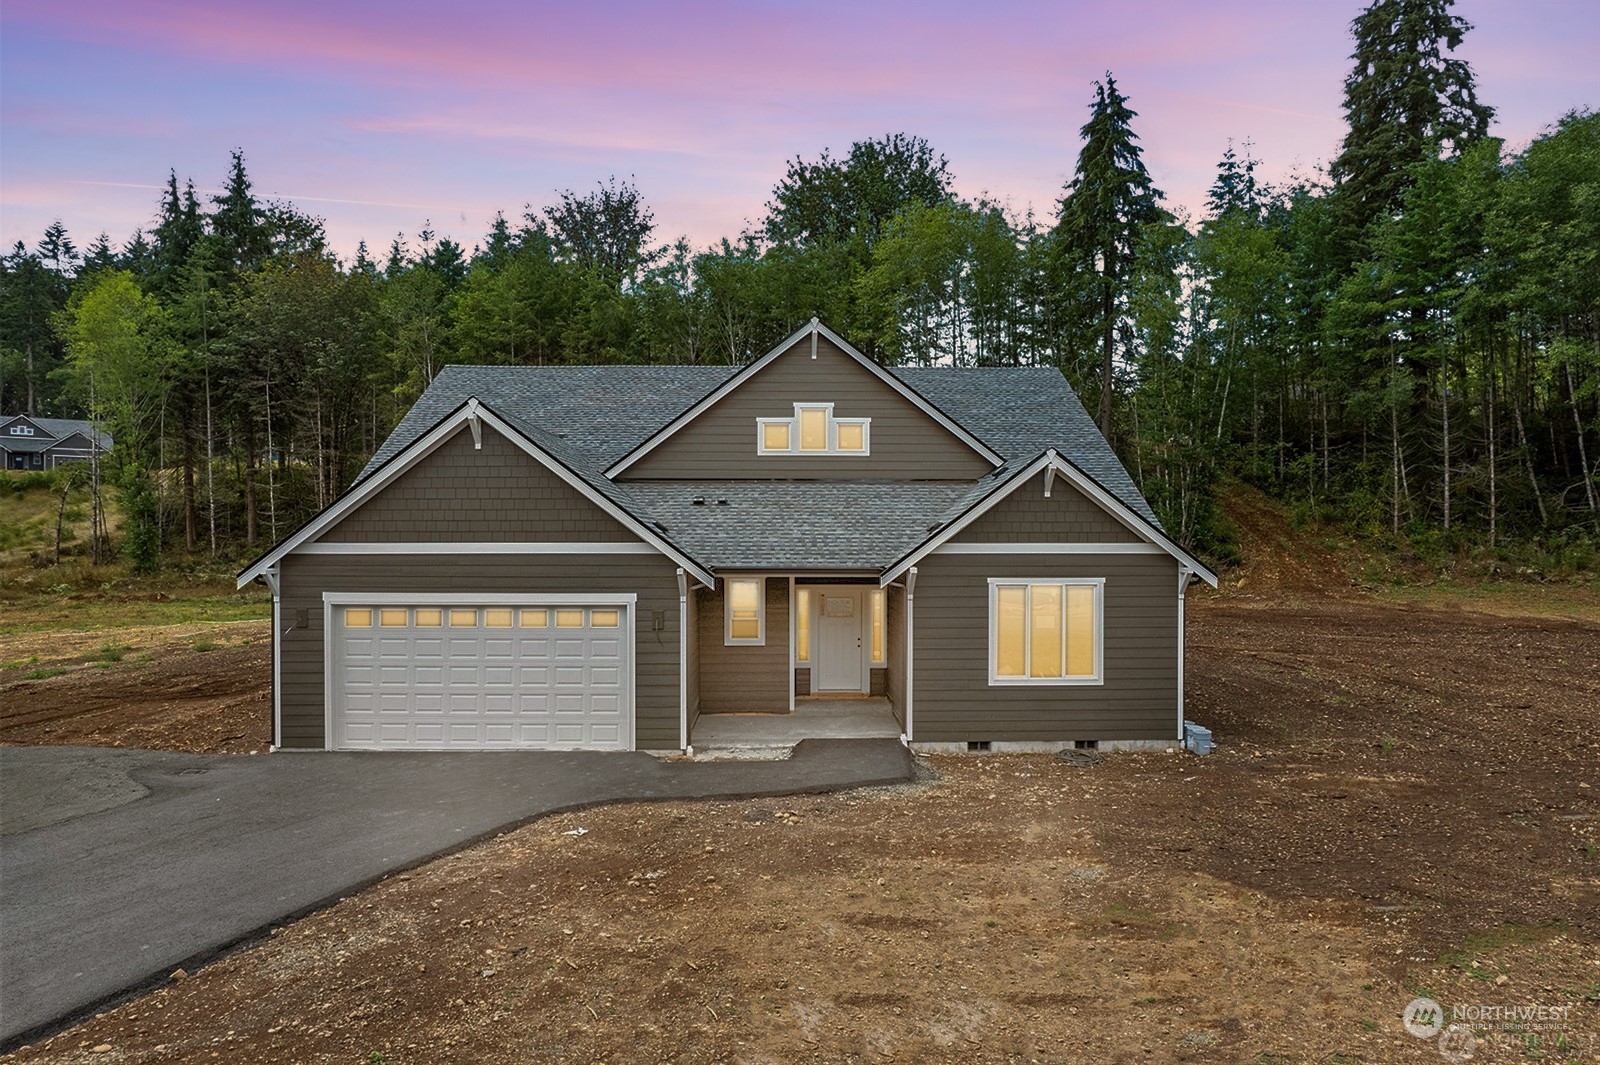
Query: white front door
point(839, 631)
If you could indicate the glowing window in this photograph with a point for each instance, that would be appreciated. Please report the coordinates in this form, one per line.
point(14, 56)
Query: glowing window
point(744, 622)
point(604, 619)
point(1045, 631)
point(877, 626)
point(569, 619)
point(813, 430)
point(802, 625)
point(463, 619)
point(357, 618)
point(429, 619)
point(497, 619)
point(392, 619)
point(536, 619)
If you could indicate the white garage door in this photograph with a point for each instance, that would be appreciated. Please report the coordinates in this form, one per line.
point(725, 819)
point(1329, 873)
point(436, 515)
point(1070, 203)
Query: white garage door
point(474, 677)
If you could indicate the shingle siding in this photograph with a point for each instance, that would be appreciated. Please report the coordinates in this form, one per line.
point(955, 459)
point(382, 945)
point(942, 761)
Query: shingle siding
point(1026, 516)
point(495, 495)
point(905, 443)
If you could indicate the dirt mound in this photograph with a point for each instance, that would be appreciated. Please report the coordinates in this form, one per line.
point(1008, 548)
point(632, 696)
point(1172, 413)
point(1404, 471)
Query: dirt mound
point(1276, 556)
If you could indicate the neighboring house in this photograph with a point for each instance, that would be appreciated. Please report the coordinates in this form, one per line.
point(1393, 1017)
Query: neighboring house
point(601, 556)
point(28, 443)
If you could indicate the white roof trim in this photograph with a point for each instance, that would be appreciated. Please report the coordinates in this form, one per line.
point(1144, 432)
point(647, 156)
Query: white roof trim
point(813, 329)
point(1131, 519)
point(423, 446)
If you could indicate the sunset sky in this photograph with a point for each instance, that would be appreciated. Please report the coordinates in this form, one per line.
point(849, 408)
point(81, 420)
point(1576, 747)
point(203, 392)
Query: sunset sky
point(381, 116)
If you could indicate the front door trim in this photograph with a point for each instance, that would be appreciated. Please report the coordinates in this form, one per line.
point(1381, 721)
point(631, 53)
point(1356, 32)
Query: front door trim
point(863, 674)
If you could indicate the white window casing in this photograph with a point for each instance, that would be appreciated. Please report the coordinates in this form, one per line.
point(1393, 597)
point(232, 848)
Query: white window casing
point(813, 430)
point(744, 613)
point(1041, 645)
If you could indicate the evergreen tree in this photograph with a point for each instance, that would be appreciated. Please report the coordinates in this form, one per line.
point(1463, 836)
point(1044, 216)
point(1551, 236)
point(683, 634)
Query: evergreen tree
point(855, 197)
point(239, 223)
point(1107, 206)
point(1406, 99)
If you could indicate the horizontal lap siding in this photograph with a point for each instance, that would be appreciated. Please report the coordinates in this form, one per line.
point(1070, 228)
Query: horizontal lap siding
point(1026, 516)
point(651, 577)
point(905, 443)
point(894, 635)
point(458, 494)
point(953, 698)
point(744, 677)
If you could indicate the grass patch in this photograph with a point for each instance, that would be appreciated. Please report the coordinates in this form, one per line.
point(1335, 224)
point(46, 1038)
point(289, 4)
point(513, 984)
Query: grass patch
point(204, 645)
point(109, 653)
point(1497, 938)
point(44, 674)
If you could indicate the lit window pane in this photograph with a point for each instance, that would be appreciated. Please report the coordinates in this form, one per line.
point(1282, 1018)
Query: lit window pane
point(535, 619)
point(1010, 635)
point(852, 437)
point(603, 619)
point(429, 619)
point(569, 619)
point(802, 628)
point(813, 429)
point(463, 619)
point(1044, 617)
point(357, 619)
point(392, 619)
point(775, 436)
point(497, 619)
point(1080, 631)
point(744, 609)
point(877, 625)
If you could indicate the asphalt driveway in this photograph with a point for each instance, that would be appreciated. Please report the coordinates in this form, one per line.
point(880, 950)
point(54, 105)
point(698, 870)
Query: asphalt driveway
point(118, 866)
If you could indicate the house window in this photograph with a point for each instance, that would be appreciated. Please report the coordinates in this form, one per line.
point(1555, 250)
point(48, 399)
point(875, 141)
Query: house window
point(802, 625)
point(877, 626)
point(22, 430)
point(1046, 631)
point(813, 431)
point(743, 622)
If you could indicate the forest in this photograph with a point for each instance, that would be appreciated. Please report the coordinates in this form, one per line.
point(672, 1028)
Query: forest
point(1406, 344)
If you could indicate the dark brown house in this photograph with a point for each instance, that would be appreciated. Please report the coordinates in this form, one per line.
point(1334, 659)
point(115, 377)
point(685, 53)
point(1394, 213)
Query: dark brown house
point(617, 557)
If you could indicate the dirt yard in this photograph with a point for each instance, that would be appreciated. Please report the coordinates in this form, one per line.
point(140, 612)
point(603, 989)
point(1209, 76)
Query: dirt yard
point(1404, 802)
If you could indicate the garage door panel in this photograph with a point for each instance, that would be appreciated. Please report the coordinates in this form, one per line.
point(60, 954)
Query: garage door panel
point(463, 676)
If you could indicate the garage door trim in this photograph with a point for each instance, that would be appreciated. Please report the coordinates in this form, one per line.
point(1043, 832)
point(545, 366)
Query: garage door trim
point(331, 601)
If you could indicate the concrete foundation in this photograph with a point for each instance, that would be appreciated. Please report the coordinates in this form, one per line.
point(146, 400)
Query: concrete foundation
point(1044, 746)
point(774, 735)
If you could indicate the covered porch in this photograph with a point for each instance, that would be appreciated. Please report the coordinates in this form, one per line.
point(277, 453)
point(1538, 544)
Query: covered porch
point(775, 659)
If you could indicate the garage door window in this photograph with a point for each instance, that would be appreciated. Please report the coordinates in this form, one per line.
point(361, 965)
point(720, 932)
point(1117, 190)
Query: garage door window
point(393, 619)
point(603, 619)
point(358, 619)
point(429, 619)
point(536, 619)
point(569, 619)
point(497, 619)
point(463, 619)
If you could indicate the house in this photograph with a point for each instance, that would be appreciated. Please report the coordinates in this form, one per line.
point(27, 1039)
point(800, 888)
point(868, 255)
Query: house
point(29, 443)
point(620, 557)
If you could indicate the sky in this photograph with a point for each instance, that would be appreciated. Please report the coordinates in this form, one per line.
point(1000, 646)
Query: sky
point(381, 117)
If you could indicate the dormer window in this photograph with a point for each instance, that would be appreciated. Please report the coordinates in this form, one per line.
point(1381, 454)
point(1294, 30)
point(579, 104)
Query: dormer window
point(813, 431)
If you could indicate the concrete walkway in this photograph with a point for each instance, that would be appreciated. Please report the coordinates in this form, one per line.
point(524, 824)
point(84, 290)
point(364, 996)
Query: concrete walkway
point(118, 866)
point(813, 718)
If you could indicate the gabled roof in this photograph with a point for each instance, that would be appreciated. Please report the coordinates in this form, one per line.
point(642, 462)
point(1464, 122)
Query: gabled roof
point(980, 501)
point(813, 330)
point(470, 412)
point(587, 419)
point(52, 433)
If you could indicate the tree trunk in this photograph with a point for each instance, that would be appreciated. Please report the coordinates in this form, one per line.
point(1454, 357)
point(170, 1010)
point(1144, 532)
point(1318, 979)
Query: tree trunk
point(250, 525)
point(1444, 408)
point(1577, 425)
point(1107, 337)
point(191, 529)
point(1527, 457)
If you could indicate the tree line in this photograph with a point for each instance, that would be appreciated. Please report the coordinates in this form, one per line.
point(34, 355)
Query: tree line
point(1409, 343)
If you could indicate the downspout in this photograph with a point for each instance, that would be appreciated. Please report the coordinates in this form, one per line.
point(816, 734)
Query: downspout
point(683, 663)
point(1184, 575)
point(274, 583)
point(911, 597)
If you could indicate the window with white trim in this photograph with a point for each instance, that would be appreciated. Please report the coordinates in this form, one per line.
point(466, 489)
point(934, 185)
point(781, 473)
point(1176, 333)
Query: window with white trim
point(22, 430)
point(802, 626)
point(813, 431)
point(1046, 630)
point(744, 620)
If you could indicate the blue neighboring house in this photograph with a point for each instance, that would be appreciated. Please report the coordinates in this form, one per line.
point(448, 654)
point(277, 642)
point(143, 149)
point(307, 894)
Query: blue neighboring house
point(28, 443)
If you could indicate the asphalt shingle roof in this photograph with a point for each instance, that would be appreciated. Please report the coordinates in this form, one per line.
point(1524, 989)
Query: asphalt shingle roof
point(53, 432)
point(588, 418)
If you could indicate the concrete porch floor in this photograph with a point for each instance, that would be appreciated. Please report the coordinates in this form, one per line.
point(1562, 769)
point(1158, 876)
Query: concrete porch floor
point(772, 735)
